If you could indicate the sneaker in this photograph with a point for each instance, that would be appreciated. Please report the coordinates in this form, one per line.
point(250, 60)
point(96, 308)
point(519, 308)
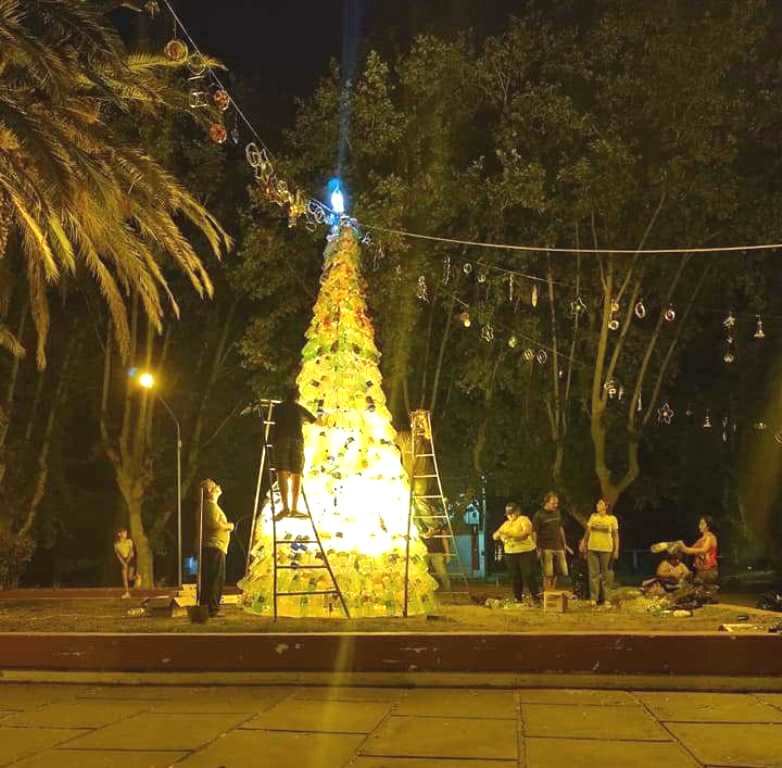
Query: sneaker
point(126, 596)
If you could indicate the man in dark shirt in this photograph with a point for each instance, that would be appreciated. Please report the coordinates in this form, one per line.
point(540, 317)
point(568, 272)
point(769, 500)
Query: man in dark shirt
point(288, 449)
point(550, 539)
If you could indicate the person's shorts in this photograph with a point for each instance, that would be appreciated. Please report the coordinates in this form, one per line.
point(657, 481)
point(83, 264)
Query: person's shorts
point(550, 556)
point(289, 456)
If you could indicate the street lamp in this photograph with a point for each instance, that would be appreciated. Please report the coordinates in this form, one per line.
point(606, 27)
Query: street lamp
point(147, 381)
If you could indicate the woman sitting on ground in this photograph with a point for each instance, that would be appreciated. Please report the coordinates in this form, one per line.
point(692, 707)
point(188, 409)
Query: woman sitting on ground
point(704, 549)
point(672, 574)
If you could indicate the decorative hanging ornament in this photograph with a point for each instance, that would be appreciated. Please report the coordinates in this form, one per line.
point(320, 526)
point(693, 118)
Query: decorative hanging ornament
point(464, 318)
point(467, 268)
point(446, 270)
point(613, 325)
point(176, 51)
point(534, 296)
point(577, 307)
point(639, 406)
point(510, 288)
point(222, 99)
point(724, 429)
point(621, 393)
point(529, 355)
point(487, 333)
point(422, 292)
point(152, 8)
point(707, 420)
point(670, 314)
point(759, 332)
point(689, 412)
point(513, 342)
point(541, 357)
point(640, 310)
point(729, 355)
point(760, 426)
point(665, 413)
point(197, 65)
point(482, 276)
point(217, 133)
point(612, 388)
point(729, 321)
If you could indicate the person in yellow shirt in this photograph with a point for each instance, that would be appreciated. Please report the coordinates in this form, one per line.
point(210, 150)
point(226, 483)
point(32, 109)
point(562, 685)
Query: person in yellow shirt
point(518, 541)
point(602, 544)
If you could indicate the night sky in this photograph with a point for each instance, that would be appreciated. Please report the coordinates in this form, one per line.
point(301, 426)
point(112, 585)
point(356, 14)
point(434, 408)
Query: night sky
point(279, 50)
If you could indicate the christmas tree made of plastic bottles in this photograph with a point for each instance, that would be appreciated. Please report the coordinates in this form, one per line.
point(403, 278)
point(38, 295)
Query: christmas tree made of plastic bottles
point(354, 480)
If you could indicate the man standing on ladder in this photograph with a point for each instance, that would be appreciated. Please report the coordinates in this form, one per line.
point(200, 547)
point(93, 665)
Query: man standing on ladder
point(287, 456)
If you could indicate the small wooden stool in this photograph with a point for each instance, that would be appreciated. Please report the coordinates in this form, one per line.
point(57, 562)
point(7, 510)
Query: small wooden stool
point(555, 601)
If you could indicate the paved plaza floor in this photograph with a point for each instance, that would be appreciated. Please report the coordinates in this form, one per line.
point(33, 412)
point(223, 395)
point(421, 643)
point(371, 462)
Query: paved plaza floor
point(81, 726)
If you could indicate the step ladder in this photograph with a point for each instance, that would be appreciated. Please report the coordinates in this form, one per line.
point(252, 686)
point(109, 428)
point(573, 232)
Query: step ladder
point(303, 540)
point(429, 510)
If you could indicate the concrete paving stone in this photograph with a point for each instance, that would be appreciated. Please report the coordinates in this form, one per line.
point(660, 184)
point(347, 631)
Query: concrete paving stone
point(444, 737)
point(569, 696)
point(242, 749)
point(589, 753)
point(19, 696)
point(16, 743)
point(160, 731)
point(75, 714)
point(428, 762)
point(348, 693)
point(710, 707)
point(75, 758)
point(445, 702)
point(218, 700)
point(574, 722)
point(143, 692)
point(747, 745)
point(321, 716)
point(774, 699)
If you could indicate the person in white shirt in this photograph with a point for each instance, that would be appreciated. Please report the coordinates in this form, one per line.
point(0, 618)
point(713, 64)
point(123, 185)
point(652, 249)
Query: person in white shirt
point(518, 541)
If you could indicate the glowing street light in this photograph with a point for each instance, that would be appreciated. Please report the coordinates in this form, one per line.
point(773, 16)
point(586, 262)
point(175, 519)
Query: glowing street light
point(146, 380)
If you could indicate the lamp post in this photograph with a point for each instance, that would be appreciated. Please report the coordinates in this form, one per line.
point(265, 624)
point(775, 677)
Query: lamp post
point(148, 382)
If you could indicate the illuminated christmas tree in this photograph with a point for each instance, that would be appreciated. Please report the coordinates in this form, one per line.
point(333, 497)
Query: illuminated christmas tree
point(354, 480)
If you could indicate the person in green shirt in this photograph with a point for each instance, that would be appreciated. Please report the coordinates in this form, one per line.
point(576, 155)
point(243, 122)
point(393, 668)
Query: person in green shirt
point(216, 535)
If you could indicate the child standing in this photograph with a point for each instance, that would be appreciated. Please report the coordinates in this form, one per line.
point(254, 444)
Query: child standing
point(125, 551)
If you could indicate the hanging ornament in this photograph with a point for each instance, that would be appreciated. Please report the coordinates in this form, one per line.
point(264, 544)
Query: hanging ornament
point(621, 393)
point(197, 65)
point(534, 296)
point(513, 342)
point(152, 8)
point(689, 412)
point(639, 405)
point(529, 355)
point(467, 268)
point(665, 413)
point(222, 99)
point(729, 321)
point(613, 325)
point(707, 420)
point(640, 310)
point(612, 388)
point(446, 270)
point(487, 333)
point(670, 314)
point(217, 133)
point(729, 355)
point(510, 288)
point(759, 332)
point(577, 307)
point(176, 51)
point(724, 429)
point(198, 99)
point(541, 357)
point(482, 276)
point(464, 318)
point(760, 426)
point(422, 292)
point(614, 306)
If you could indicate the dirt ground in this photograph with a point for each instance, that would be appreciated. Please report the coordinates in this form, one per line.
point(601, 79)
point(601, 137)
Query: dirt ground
point(111, 615)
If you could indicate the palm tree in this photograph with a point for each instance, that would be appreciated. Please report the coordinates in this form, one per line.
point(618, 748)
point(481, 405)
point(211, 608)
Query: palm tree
point(78, 197)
